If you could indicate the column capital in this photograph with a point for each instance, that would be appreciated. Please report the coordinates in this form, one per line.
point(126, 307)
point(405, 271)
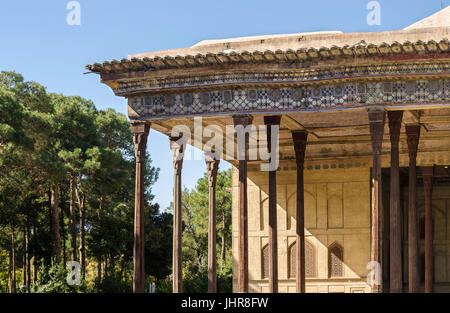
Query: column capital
point(427, 171)
point(272, 120)
point(212, 167)
point(300, 139)
point(177, 146)
point(376, 121)
point(269, 121)
point(395, 124)
point(413, 135)
point(242, 119)
point(140, 130)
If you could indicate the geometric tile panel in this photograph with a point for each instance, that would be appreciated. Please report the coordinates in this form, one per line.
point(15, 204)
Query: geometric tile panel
point(292, 98)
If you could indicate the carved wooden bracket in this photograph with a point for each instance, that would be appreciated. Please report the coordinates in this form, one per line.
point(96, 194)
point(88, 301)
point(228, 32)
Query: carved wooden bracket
point(178, 148)
point(413, 135)
point(300, 139)
point(395, 123)
point(212, 167)
point(242, 119)
point(269, 121)
point(140, 132)
point(376, 121)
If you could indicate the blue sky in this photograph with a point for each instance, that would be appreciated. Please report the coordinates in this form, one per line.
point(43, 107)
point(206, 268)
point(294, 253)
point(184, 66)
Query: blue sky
point(37, 42)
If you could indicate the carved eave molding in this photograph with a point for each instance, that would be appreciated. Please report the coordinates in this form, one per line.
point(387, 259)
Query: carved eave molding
point(281, 75)
point(360, 50)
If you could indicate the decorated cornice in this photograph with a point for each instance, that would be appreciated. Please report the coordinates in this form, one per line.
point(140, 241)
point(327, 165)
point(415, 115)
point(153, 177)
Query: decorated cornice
point(425, 69)
point(360, 50)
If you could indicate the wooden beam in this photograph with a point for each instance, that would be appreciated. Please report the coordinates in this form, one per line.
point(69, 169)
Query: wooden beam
point(414, 115)
point(413, 134)
point(272, 121)
point(293, 125)
point(427, 173)
point(140, 132)
point(395, 220)
point(300, 138)
point(376, 120)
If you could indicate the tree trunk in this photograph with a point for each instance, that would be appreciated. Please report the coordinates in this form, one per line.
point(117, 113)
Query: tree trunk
point(63, 234)
point(122, 266)
point(81, 203)
point(55, 221)
point(100, 208)
point(24, 258)
point(100, 219)
point(28, 257)
point(99, 270)
point(11, 258)
point(34, 260)
point(13, 239)
point(9, 274)
point(112, 263)
point(72, 225)
point(105, 274)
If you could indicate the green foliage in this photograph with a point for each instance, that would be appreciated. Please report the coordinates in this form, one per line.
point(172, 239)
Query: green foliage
point(195, 219)
point(195, 234)
point(51, 140)
point(53, 279)
point(198, 283)
point(114, 283)
point(4, 265)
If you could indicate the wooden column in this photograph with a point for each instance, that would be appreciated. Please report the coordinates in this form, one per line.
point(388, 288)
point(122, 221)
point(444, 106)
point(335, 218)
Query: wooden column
point(395, 231)
point(212, 167)
point(413, 134)
point(427, 173)
point(376, 120)
point(177, 148)
point(270, 121)
point(140, 132)
point(243, 120)
point(300, 138)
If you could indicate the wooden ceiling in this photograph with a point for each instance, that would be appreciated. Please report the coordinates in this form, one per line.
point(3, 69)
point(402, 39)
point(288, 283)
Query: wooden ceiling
point(339, 135)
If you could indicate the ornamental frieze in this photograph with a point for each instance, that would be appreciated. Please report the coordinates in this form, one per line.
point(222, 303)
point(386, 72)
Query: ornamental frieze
point(223, 101)
point(287, 77)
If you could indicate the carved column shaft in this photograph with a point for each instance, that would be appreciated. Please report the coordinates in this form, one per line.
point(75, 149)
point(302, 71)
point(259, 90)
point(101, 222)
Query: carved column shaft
point(270, 121)
point(243, 120)
point(413, 134)
point(376, 120)
point(177, 148)
point(212, 167)
point(395, 252)
point(300, 139)
point(140, 132)
point(427, 173)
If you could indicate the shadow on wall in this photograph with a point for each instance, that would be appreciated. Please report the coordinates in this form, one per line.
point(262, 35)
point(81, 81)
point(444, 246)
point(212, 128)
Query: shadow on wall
point(337, 228)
